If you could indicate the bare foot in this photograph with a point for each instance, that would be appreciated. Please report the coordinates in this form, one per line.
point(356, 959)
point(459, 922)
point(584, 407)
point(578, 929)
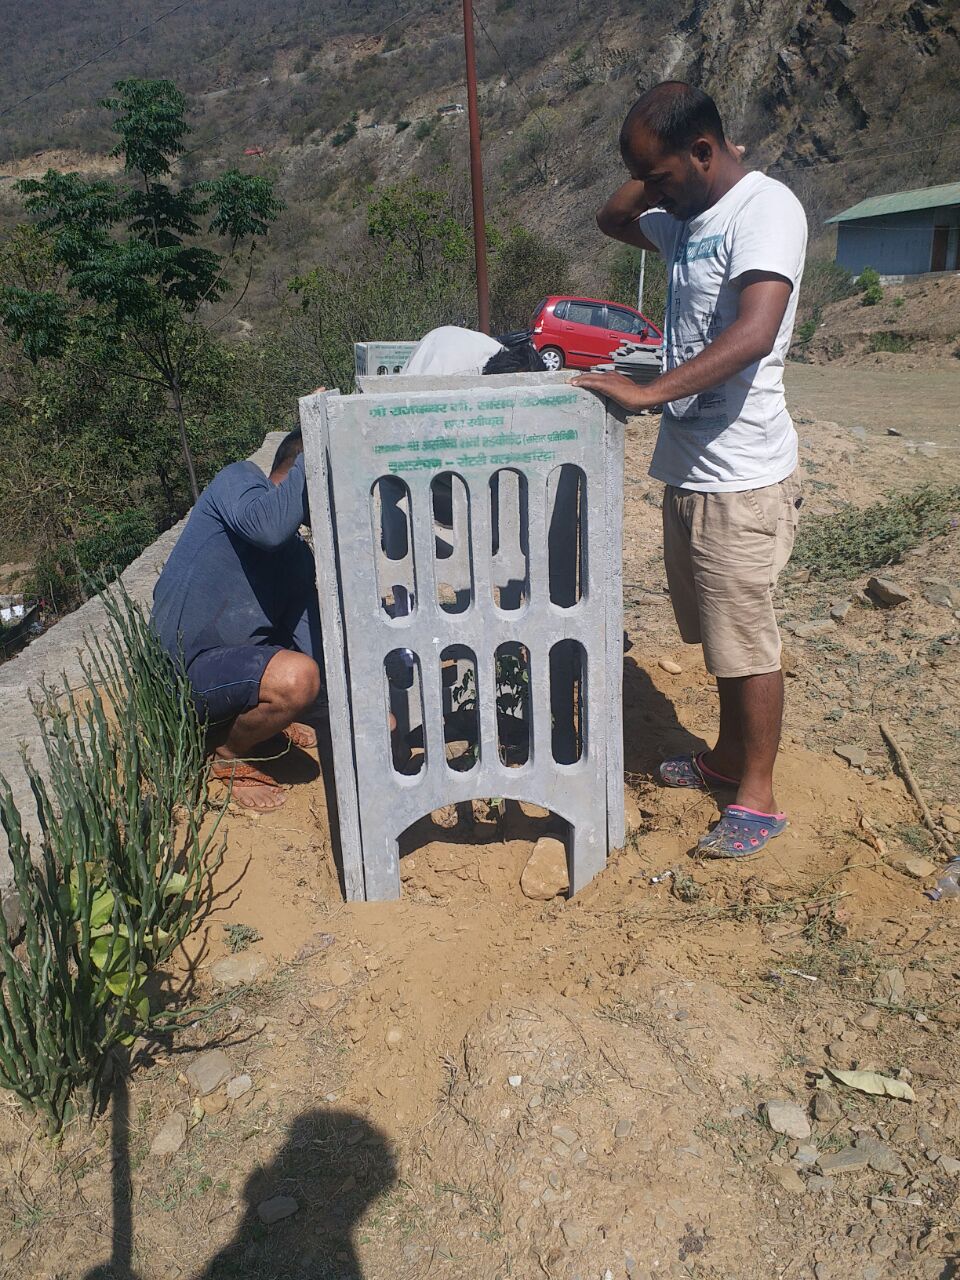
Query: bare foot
point(250, 788)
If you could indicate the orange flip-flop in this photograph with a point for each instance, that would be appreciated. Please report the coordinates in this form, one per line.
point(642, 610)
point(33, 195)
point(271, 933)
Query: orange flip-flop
point(239, 772)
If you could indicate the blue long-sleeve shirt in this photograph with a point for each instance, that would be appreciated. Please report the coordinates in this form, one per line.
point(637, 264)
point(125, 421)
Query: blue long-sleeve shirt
point(239, 573)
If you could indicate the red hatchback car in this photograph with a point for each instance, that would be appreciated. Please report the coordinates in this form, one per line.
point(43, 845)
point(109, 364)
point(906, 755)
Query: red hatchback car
point(577, 333)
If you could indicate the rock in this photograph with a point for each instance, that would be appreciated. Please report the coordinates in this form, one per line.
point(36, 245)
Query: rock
point(787, 1179)
point(881, 1158)
point(238, 970)
point(849, 1160)
point(447, 817)
point(573, 1233)
point(950, 824)
point(209, 1071)
point(811, 630)
point(514, 1081)
point(787, 1118)
point(238, 1086)
point(213, 1104)
point(339, 975)
point(668, 665)
point(545, 875)
point(393, 1037)
point(826, 1109)
point(892, 431)
point(949, 1166)
point(839, 609)
point(623, 1127)
point(324, 1001)
point(943, 595)
point(13, 1247)
point(950, 811)
point(172, 1135)
point(919, 868)
point(855, 756)
point(870, 1020)
point(563, 1133)
point(276, 1209)
point(12, 911)
point(806, 1154)
point(820, 1184)
point(890, 988)
point(314, 945)
point(888, 592)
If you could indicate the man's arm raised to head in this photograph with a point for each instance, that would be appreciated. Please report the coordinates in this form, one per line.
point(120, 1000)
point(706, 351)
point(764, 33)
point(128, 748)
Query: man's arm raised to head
point(618, 217)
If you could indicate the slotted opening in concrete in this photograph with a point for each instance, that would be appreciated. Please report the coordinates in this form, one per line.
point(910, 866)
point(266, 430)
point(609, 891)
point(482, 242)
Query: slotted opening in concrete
point(512, 676)
point(567, 534)
point(568, 677)
point(453, 562)
point(461, 711)
point(404, 694)
point(393, 546)
point(510, 545)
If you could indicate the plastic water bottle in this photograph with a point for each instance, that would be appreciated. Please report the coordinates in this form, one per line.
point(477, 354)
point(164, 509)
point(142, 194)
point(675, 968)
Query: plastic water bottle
point(948, 886)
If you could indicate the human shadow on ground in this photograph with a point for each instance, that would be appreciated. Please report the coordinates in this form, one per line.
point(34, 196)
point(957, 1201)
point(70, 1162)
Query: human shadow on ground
point(333, 1165)
point(651, 728)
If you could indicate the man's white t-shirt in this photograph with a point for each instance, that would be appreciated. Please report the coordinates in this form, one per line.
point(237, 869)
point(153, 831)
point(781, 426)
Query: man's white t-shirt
point(738, 435)
point(451, 350)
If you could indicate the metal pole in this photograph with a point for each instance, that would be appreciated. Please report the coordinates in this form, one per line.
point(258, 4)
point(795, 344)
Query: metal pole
point(476, 172)
point(643, 272)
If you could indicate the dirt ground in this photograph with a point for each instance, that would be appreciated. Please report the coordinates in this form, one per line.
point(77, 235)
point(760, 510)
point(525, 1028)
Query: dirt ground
point(915, 326)
point(471, 1085)
point(922, 404)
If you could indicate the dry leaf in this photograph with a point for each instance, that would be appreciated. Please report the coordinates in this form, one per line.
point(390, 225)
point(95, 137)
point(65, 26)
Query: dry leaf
point(873, 1082)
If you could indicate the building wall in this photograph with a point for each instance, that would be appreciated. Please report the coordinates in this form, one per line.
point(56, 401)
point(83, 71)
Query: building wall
point(897, 244)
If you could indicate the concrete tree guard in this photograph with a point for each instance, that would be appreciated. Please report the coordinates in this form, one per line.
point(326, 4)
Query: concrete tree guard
point(525, 521)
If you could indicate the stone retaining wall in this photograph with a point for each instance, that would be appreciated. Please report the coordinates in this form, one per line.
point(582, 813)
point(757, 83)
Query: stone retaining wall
point(55, 655)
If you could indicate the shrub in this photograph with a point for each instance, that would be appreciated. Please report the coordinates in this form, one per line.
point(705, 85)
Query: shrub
point(895, 342)
point(344, 134)
point(825, 281)
point(868, 282)
point(402, 125)
point(121, 869)
point(856, 539)
point(623, 275)
point(525, 268)
point(423, 130)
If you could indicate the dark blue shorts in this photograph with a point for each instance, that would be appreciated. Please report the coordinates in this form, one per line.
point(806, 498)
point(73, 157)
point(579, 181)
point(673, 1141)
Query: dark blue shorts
point(226, 681)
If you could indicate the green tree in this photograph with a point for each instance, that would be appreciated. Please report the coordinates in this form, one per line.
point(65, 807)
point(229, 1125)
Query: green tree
point(525, 268)
point(134, 263)
point(623, 276)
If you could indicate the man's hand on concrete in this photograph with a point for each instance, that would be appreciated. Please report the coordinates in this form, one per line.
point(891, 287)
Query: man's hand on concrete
point(616, 387)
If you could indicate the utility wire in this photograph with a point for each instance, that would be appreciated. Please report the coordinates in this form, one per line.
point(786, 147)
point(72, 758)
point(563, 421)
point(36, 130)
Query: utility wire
point(869, 156)
point(96, 58)
point(503, 62)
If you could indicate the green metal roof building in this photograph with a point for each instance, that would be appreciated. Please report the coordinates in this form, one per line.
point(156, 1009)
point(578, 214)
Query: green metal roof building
point(906, 233)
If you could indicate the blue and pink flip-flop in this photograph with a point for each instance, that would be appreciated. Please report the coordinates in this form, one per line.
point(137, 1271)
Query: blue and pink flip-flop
point(741, 833)
point(693, 771)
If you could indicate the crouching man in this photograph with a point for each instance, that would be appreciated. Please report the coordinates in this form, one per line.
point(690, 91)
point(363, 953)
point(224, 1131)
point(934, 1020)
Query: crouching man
point(236, 603)
point(734, 244)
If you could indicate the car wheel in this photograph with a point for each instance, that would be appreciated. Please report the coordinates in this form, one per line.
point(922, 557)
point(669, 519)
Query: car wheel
point(553, 358)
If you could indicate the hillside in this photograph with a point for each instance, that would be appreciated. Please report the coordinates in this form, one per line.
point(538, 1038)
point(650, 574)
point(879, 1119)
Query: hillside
point(839, 98)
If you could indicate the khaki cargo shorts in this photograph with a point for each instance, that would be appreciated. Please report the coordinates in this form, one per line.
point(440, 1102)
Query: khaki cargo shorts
point(723, 554)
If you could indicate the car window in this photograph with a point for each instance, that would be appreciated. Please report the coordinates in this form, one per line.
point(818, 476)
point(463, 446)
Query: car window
point(584, 313)
point(560, 311)
point(624, 321)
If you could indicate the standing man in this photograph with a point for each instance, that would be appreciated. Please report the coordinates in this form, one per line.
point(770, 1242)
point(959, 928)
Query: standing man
point(734, 242)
